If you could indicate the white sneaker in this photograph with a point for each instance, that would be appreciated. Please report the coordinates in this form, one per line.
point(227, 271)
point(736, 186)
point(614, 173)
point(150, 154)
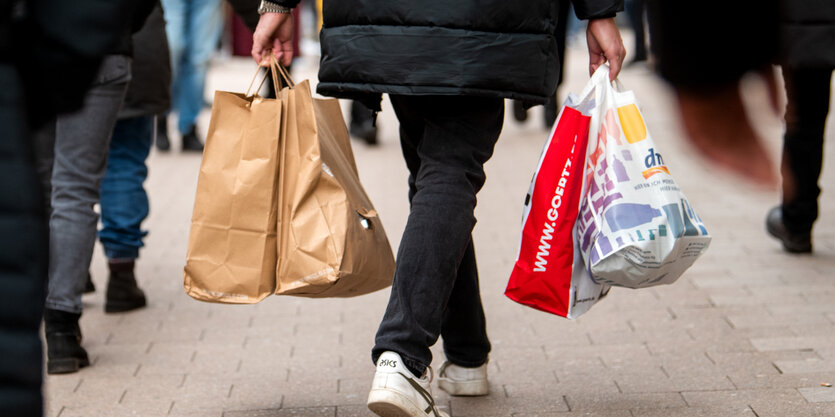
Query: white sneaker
point(461, 381)
point(396, 392)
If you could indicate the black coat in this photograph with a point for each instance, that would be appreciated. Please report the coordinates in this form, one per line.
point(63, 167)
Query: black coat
point(493, 48)
point(807, 33)
point(149, 91)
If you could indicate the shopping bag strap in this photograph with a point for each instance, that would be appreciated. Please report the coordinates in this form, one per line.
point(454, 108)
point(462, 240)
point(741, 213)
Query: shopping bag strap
point(277, 72)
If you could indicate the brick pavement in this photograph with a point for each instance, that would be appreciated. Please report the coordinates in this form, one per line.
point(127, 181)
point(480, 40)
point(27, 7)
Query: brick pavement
point(748, 331)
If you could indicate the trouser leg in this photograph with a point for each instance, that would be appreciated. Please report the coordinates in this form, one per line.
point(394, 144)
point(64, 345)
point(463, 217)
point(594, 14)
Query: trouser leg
point(446, 141)
point(808, 93)
point(81, 145)
point(124, 202)
point(23, 258)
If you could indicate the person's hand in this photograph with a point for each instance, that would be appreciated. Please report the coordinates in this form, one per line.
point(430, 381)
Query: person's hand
point(605, 44)
point(274, 34)
point(717, 125)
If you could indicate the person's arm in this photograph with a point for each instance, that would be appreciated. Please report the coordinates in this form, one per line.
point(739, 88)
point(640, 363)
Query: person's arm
point(602, 34)
point(274, 33)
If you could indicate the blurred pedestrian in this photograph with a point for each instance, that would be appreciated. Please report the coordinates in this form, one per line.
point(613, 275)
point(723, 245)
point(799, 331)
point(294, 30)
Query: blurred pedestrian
point(635, 10)
point(124, 202)
point(72, 153)
point(807, 55)
point(37, 44)
point(194, 28)
point(447, 70)
point(363, 124)
point(705, 68)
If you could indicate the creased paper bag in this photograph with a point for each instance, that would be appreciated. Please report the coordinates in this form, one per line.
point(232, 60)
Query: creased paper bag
point(332, 243)
point(232, 244)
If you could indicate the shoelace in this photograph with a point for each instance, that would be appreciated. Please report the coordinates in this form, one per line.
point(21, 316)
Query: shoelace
point(423, 393)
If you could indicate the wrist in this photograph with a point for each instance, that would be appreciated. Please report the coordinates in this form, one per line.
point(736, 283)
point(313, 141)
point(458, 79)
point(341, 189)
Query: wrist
point(267, 6)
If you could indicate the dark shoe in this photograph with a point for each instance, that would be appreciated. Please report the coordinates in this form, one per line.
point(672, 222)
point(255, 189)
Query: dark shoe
point(162, 134)
point(190, 141)
point(122, 292)
point(89, 286)
point(792, 242)
point(365, 131)
point(63, 342)
point(519, 111)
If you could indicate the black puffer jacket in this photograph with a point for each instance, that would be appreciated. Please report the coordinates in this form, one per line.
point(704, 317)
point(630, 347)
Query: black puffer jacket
point(494, 48)
point(807, 33)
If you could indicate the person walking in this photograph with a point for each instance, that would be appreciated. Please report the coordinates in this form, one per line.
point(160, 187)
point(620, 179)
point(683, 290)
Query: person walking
point(193, 28)
point(72, 152)
point(447, 70)
point(807, 55)
point(124, 202)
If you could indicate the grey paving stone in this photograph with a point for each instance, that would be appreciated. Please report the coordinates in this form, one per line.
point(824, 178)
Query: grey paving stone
point(805, 366)
point(740, 398)
point(818, 395)
point(287, 412)
point(697, 412)
point(618, 401)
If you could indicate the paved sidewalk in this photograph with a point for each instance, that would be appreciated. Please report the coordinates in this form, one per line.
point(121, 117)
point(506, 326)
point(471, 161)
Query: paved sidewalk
point(748, 331)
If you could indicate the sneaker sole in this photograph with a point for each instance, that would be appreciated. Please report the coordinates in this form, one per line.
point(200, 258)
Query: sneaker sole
point(387, 403)
point(464, 388)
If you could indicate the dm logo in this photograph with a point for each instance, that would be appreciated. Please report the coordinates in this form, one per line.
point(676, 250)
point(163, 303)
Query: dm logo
point(654, 164)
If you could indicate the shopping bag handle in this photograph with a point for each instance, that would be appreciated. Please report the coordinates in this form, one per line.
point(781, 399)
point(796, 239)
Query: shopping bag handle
point(276, 71)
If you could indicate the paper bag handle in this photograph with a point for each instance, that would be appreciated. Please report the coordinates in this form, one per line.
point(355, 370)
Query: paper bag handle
point(278, 73)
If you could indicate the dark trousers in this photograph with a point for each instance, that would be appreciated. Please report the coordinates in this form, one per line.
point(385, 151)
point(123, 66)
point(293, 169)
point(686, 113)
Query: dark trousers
point(808, 104)
point(23, 257)
point(445, 140)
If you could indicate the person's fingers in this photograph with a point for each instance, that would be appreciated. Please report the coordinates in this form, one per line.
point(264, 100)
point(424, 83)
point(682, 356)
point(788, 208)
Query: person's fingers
point(595, 61)
point(614, 66)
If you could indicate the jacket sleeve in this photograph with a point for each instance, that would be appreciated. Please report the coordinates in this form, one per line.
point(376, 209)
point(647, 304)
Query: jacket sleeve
point(596, 9)
point(247, 10)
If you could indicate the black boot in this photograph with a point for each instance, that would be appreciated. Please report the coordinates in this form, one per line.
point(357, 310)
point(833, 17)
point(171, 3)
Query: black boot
point(63, 342)
point(190, 141)
point(792, 242)
point(122, 292)
point(162, 134)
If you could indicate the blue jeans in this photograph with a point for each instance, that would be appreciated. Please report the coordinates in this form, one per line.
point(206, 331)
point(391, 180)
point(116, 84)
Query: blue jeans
point(124, 203)
point(445, 140)
point(193, 28)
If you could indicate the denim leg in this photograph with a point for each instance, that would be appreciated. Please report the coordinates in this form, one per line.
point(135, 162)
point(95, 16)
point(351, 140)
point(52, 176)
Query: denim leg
point(175, 30)
point(446, 140)
point(124, 203)
point(808, 93)
point(81, 143)
point(203, 26)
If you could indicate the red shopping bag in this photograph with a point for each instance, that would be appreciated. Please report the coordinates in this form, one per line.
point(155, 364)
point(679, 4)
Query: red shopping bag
point(549, 274)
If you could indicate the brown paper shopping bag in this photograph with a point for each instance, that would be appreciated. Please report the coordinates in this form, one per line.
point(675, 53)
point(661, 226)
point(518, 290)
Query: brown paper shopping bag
point(331, 241)
point(232, 245)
